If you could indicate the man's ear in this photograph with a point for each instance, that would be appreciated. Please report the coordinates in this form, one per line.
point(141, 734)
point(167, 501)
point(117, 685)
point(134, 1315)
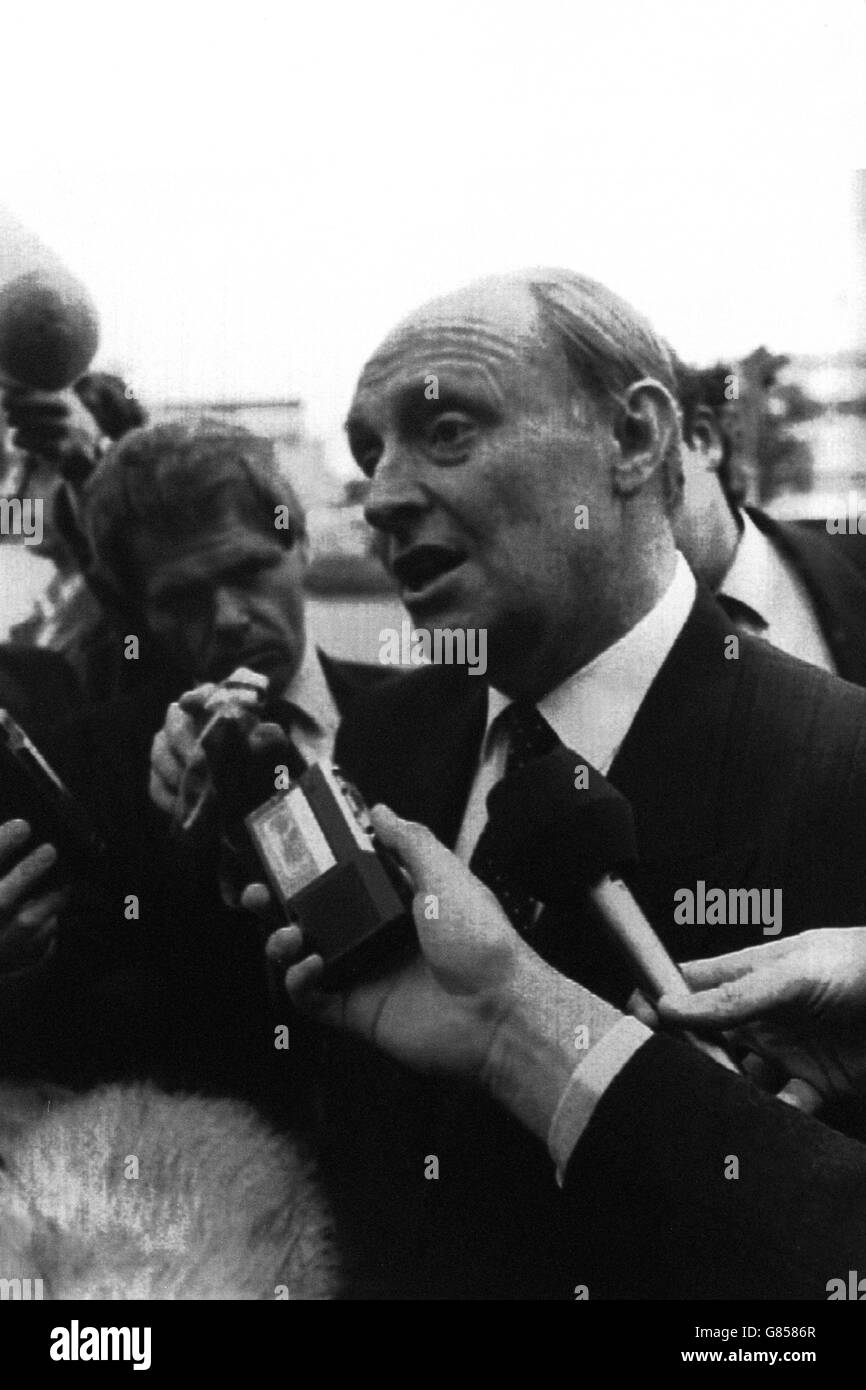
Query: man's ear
point(707, 439)
point(647, 431)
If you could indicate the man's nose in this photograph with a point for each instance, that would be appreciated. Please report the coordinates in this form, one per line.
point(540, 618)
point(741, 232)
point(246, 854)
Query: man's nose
point(396, 494)
point(229, 611)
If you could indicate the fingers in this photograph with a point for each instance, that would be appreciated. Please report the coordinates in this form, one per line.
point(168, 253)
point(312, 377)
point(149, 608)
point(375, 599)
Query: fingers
point(13, 834)
point(26, 938)
point(174, 752)
point(302, 986)
point(432, 867)
point(20, 881)
point(763, 1072)
point(641, 1009)
point(195, 700)
point(20, 945)
point(39, 912)
point(165, 774)
point(26, 404)
point(301, 981)
point(40, 419)
point(735, 1001)
point(267, 736)
point(703, 974)
point(181, 730)
point(286, 950)
point(285, 947)
point(257, 898)
point(801, 1095)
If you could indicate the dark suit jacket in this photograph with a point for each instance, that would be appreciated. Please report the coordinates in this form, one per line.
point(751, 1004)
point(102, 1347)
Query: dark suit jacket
point(835, 583)
point(36, 686)
point(747, 772)
point(741, 773)
point(652, 1213)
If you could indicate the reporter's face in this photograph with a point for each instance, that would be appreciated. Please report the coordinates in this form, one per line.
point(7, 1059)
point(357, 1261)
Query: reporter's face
point(228, 595)
point(479, 449)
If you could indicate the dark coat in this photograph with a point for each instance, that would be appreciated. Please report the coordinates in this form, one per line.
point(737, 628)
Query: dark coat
point(746, 772)
point(36, 686)
point(656, 1209)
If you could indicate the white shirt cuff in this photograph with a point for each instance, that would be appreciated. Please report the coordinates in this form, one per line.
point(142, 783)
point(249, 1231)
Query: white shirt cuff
point(589, 1080)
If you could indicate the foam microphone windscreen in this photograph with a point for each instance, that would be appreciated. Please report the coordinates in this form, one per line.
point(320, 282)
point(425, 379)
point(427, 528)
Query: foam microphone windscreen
point(561, 825)
point(49, 330)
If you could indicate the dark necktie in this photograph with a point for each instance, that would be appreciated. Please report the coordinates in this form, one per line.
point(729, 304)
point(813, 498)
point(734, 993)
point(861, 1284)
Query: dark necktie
point(529, 736)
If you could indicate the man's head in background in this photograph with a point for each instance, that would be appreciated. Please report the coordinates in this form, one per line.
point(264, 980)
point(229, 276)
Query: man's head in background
point(187, 526)
point(707, 525)
point(523, 444)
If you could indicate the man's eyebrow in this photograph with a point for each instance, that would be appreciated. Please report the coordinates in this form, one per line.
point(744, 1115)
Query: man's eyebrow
point(198, 576)
point(428, 395)
point(478, 400)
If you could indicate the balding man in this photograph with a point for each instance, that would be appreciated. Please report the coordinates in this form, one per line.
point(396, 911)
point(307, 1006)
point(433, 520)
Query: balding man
point(523, 446)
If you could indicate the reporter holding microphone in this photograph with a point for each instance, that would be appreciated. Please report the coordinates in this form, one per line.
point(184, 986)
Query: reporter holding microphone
point(642, 1129)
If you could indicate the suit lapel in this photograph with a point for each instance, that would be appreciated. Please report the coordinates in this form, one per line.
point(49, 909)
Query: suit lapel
point(681, 770)
point(349, 679)
point(412, 742)
point(836, 587)
point(672, 765)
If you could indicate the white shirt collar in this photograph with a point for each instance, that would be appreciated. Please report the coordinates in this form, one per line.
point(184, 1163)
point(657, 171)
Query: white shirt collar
point(751, 578)
point(776, 603)
point(309, 690)
point(593, 709)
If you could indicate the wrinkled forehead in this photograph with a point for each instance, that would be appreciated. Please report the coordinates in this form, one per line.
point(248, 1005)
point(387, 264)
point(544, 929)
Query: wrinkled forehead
point(489, 334)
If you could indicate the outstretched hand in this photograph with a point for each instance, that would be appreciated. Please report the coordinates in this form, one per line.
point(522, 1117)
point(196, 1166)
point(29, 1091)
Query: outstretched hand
point(440, 1010)
point(799, 1002)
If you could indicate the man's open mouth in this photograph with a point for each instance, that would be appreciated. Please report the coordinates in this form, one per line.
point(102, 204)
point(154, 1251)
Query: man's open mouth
point(422, 566)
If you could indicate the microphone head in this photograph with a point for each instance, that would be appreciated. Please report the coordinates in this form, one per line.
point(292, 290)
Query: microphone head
point(562, 825)
point(49, 330)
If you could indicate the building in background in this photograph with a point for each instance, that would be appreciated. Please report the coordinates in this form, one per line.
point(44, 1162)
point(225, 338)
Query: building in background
point(825, 403)
point(300, 453)
point(798, 428)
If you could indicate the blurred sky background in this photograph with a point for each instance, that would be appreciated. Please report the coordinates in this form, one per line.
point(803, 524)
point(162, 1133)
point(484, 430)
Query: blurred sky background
point(254, 193)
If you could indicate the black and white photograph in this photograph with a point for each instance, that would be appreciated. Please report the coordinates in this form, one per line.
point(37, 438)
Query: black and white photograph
point(432, 669)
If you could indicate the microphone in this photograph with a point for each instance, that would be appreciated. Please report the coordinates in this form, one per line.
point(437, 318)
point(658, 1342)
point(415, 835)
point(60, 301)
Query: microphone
point(562, 839)
point(49, 330)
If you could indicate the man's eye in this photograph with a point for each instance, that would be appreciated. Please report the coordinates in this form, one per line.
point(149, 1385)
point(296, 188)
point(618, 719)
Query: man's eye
point(450, 432)
point(249, 572)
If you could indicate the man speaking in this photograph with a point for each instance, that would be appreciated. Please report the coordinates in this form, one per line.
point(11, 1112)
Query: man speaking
point(523, 445)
